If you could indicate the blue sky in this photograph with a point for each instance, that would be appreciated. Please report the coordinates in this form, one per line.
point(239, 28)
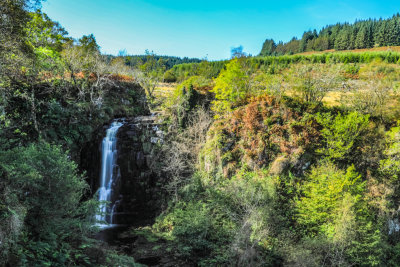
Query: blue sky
point(203, 28)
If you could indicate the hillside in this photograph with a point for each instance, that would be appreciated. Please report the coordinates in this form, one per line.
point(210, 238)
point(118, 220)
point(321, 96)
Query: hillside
point(341, 36)
point(273, 160)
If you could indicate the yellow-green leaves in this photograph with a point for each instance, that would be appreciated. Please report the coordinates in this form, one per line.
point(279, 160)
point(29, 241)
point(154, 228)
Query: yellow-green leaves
point(323, 203)
point(231, 87)
point(341, 133)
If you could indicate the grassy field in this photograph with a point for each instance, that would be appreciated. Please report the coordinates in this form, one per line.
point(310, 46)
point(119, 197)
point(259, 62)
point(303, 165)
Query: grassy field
point(163, 90)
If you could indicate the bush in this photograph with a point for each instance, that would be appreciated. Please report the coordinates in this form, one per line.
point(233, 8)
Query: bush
point(42, 193)
point(352, 69)
point(341, 133)
point(231, 88)
point(199, 230)
point(169, 77)
point(324, 191)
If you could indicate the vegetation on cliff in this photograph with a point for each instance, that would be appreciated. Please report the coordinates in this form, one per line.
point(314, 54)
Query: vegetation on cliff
point(297, 167)
point(54, 92)
point(286, 160)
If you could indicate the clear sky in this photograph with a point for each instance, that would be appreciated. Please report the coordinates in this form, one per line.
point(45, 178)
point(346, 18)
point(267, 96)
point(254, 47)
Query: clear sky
point(208, 28)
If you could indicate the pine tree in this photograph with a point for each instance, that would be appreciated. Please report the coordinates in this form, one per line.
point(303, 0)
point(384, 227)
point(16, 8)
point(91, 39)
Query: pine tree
point(343, 39)
point(393, 32)
point(352, 37)
point(361, 40)
point(381, 33)
point(268, 48)
point(304, 40)
point(370, 35)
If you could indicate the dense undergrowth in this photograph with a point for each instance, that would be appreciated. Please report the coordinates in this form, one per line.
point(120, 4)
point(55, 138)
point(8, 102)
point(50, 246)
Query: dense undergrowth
point(54, 93)
point(270, 161)
point(281, 177)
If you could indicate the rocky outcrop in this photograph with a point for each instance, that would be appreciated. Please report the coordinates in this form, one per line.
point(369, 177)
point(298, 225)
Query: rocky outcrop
point(137, 191)
point(139, 187)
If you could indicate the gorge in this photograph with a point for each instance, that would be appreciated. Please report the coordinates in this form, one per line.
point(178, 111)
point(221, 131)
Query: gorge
point(121, 170)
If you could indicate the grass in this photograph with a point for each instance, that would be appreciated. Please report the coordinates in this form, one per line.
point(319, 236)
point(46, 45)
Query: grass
point(332, 98)
point(164, 90)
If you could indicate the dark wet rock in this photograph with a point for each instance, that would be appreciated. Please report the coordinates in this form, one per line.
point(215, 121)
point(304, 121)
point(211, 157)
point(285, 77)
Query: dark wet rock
point(137, 191)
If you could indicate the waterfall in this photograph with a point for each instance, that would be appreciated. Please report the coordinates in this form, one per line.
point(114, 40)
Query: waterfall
point(109, 173)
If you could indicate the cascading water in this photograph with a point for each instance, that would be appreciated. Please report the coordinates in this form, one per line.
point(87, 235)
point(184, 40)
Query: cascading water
point(109, 173)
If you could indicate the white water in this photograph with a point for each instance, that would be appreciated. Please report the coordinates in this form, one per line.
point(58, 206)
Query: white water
point(109, 173)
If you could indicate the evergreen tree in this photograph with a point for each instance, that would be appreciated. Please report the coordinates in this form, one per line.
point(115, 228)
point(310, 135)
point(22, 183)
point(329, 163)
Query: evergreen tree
point(393, 32)
point(344, 36)
point(343, 39)
point(352, 37)
point(307, 36)
point(370, 36)
point(361, 40)
point(268, 48)
point(381, 33)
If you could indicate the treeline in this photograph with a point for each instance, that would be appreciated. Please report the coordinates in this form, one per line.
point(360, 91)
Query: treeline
point(341, 36)
point(271, 64)
point(166, 61)
point(207, 69)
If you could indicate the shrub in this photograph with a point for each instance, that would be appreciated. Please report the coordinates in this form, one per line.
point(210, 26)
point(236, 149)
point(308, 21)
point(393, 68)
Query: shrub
point(45, 182)
point(231, 88)
point(169, 77)
point(324, 192)
point(341, 133)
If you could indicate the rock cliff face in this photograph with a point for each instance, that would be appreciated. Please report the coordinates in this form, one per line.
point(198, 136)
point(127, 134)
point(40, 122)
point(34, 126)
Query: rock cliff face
point(139, 187)
point(137, 192)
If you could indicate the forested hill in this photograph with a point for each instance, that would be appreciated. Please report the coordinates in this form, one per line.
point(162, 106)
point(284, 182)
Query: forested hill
point(166, 61)
point(341, 36)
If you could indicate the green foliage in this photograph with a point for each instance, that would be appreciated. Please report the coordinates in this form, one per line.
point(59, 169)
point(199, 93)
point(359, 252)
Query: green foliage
point(352, 69)
point(231, 88)
point(43, 32)
point(169, 62)
point(199, 229)
point(206, 69)
point(114, 259)
point(326, 193)
point(44, 181)
point(268, 48)
point(185, 98)
point(169, 77)
point(229, 222)
point(341, 133)
point(390, 169)
point(368, 247)
point(333, 208)
point(332, 58)
point(391, 164)
point(341, 36)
